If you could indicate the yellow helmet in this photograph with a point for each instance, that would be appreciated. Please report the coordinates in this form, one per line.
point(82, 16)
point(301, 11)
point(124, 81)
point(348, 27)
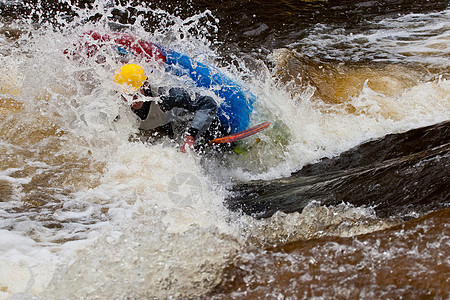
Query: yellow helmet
point(131, 77)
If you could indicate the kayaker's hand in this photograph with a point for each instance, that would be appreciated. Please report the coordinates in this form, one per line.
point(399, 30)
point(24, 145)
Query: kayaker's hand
point(188, 144)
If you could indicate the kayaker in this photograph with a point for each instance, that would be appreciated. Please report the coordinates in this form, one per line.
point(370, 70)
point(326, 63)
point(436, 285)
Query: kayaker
point(169, 111)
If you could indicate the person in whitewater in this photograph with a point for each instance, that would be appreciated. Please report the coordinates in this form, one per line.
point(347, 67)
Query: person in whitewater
point(169, 111)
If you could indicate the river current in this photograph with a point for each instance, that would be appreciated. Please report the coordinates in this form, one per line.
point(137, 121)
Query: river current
point(358, 93)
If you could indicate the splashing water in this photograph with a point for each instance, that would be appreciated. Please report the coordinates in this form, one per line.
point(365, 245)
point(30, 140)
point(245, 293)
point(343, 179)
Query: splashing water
point(86, 213)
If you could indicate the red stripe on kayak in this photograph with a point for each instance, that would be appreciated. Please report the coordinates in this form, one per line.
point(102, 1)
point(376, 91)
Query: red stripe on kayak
point(240, 135)
point(130, 43)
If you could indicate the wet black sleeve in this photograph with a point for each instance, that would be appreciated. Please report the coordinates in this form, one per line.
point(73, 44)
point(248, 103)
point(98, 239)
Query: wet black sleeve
point(204, 107)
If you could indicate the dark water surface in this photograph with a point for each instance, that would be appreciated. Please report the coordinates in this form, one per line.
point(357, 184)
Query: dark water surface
point(244, 26)
point(348, 194)
point(407, 261)
point(396, 175)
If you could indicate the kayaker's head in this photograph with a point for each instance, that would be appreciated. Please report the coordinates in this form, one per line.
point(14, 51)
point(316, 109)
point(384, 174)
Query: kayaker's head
point(131, 77)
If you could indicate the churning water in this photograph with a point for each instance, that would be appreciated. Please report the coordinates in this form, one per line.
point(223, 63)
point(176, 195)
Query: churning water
point(88, 212)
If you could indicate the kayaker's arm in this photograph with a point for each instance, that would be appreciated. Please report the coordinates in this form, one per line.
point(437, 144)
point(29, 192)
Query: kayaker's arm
point(204, 107)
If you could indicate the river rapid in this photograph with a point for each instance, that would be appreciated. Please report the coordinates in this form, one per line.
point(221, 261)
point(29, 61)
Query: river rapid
point(89, 211)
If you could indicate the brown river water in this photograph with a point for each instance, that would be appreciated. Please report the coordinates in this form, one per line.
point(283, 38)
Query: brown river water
point(345, 196)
